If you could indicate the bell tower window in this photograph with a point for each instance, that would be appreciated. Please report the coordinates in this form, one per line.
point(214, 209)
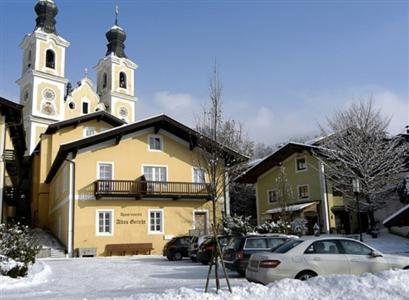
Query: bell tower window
point(104, 80)
point(50, 59)
point(122, 80)
point(29, 59)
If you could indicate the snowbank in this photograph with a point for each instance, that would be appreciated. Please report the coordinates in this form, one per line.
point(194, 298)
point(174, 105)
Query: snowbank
point(37, 274)
point(384, 285)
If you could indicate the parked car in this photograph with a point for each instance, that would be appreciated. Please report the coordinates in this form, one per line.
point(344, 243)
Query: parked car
point(177, 247)
point(303, 259)
point(204, 253)
point(194, 246)
point(239, 249)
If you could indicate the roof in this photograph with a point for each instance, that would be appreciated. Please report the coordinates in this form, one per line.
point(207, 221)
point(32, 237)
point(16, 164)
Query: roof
point(157, 122)
point(99, 115)
point(295, 207)
point(399, 218)
point(272, 160)
point(13, 113)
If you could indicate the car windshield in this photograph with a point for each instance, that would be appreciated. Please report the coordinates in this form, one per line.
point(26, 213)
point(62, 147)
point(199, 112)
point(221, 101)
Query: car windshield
point(284, 248)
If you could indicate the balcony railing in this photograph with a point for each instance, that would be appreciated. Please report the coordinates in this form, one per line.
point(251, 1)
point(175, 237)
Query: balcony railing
point(9, 155)
point(151, 189)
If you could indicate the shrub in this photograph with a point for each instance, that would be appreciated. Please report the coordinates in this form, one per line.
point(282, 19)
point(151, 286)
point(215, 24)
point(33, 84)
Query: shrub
point(299, 226)
point(274, 227)
point(237, 225)
point(18, 250)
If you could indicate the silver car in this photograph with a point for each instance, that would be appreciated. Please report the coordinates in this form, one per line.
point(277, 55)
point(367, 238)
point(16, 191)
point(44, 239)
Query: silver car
point(303, 259)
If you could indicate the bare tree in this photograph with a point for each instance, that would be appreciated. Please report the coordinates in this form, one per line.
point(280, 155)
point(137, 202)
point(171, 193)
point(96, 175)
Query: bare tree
point(358, 146)
point(285, 195)
point(219, 145)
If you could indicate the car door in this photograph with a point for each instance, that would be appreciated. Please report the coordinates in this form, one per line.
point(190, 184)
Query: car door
point(360, 258)
point(325, 257)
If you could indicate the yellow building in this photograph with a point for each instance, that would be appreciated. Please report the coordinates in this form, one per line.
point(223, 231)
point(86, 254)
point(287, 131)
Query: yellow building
point(97, 176)
point(295, 173)
point(12, 163)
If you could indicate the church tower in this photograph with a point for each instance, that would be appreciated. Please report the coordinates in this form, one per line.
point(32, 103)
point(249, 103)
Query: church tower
point(42, 83)
point(115, 76)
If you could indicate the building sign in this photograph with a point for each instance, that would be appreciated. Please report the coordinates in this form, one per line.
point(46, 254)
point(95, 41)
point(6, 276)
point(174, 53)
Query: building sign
point(130, 219)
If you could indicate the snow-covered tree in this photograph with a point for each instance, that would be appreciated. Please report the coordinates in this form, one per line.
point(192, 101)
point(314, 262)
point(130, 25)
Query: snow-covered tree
point(274, 227)
point(299, 226)
point(285, 194)
point(358, 146)
point(237, 225)
point(18, 250)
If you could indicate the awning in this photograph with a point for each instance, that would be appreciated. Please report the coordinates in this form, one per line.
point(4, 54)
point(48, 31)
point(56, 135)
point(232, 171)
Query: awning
point(399, 218)
point(290, 208)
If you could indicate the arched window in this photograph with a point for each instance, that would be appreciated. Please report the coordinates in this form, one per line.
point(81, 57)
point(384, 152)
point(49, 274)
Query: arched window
point(29, 59)
point(50, 59)
point(104, 80)
point(122, 80)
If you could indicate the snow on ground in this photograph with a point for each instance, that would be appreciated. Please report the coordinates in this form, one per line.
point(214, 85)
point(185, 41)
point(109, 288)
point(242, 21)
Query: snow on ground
point(154, 278)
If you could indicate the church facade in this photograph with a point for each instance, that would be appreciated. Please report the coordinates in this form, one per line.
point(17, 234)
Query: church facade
point(98, 177)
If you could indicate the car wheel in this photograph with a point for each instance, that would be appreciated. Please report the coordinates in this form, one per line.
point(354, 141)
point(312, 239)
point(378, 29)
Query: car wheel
point(305, 275)
point(169, 257)
point(193, 259)
point(406, 268)
point(242, 273)
point(204, 262)
point(177, 256)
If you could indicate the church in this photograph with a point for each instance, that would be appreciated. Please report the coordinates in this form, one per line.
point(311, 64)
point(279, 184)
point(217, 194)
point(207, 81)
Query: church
point(97, 176)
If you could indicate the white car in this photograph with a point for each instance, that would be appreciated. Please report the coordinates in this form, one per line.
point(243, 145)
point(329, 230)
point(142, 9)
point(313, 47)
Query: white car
point(303, 259)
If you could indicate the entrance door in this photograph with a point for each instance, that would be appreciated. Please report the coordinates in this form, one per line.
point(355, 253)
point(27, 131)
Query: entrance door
point(200, 220)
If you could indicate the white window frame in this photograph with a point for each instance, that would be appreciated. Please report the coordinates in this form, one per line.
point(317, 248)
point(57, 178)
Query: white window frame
point(97, 212)
point(296, 164)
point(206, 211)
point(85, 100)
point(193, 174)
point(153, 165)
point(162, 220)
point(89, 128)
point(160, 139)
point(298, 192)
point(108, 163)
point(268, 196)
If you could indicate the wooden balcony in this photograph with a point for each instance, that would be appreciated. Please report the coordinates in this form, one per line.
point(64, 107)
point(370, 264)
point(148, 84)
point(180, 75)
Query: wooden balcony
point(151, 189)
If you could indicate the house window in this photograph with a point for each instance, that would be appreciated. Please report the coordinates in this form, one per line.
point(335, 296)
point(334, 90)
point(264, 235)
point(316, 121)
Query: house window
point(105, 171)
point(301, 164)
point(272, 196)
point(303, 192)
point(199, 175)
point(50, 59)
point(85, 107)
point(155, 221)
point(155, 143)
point(122, 80)
point(154, 173)
point(89, 131)
point(104, 222)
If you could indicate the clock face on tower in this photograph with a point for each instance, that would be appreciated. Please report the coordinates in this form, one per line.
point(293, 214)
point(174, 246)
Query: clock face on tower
point(48, 108)
point(49, 94)
point(123, 112)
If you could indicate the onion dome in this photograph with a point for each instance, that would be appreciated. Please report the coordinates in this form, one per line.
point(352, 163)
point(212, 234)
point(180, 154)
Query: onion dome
point(116, 37)
point(46, 11)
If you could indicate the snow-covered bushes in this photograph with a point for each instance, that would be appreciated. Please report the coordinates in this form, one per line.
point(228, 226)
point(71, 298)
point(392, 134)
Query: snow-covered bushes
point(17, 250)
point(299, 226)
point(274, 227)
point(237, 225)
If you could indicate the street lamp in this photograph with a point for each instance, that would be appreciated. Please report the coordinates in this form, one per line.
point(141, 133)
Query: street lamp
point(356, 190)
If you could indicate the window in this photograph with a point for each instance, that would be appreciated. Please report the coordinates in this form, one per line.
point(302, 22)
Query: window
point(122, 80)
point(255, 244)
point(29, 59)
point(89, 131)
point(71, 105)
point(155, 221)
point(274, 242)
point(272, 196)
point(104, 222)
point(355, 248)
point(199, 175)
point(105, 171)
point(155, 143)
point(303, 192)
point(104, 80)
point(323, 247)
point(301, 164)
point(85, 107)
point(154, 173)
point(50, 59)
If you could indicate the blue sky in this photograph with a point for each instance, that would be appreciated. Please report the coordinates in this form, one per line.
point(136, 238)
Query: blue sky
point(285, 65)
